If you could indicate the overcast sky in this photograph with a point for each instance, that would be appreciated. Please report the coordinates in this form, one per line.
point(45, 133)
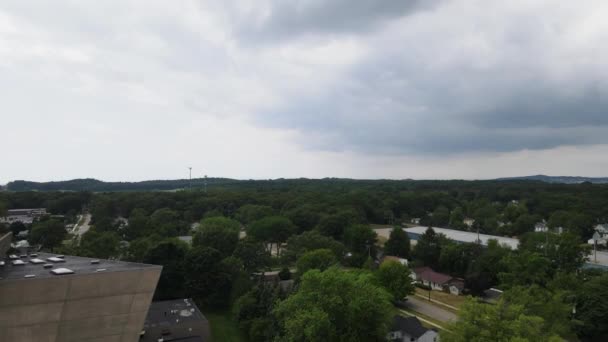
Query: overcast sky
point(135, 90)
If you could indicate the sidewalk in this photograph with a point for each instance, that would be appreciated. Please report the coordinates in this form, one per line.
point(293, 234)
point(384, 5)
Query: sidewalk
point(437, 302)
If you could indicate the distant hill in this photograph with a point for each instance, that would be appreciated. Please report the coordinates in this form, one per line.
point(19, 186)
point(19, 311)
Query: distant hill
point(89, 184)
point(94, 185)
point(559, 179)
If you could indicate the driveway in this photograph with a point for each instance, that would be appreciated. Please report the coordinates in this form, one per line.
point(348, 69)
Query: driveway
point(428, 309)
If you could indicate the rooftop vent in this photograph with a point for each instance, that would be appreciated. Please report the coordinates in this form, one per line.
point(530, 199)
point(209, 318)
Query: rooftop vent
point(55, 259)
point(95, 261)
point(62, 271)
point(36, 261)
point(18, 262)
point(29, 276)
point(47, 265)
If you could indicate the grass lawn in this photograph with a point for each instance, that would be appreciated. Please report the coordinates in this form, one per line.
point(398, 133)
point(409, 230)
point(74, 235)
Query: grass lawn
point(223, 327)
point(443, 297)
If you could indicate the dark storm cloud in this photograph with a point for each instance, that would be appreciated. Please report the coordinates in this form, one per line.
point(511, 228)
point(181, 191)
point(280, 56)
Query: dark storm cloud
point(490, 86)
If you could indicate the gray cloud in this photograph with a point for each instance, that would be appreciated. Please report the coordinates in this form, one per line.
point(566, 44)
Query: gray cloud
point(504, 85)
point(304, 88)
point(280, 20)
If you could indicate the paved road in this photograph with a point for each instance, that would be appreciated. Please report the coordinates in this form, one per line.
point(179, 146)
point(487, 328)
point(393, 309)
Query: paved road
point(425, 308)
point(84, 227)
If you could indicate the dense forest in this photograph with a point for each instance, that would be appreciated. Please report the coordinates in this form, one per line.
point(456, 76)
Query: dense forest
point(318, 234)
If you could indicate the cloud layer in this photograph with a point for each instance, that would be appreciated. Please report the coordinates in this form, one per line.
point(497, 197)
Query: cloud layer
point(132, 89)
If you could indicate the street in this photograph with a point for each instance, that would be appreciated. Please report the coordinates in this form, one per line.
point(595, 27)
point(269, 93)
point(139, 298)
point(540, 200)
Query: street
point(428, 309)
point(80, 229)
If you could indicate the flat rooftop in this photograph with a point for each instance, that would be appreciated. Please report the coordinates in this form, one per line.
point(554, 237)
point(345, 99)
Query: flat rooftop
point(45, 265)
point(175, 320)
point(173, 312)
point(461, 236)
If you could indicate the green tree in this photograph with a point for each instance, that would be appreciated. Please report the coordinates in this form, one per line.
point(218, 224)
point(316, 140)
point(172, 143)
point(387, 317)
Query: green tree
point(139, 225)
point(592, 309)
point(525, 268)
point(220, 233)
point(272, 229)
point(253, 254)
point(167, 222)
point(332, 225)
point(103, 245)
point(297, 245)
point(396, 279)
point(335, 305)
point(479, 322)
point(457, 219)
point(253, 312)
point(441, 216)
point(565, 251)
point(251, 212)
point(305, 217)
point(428, 248)
point(320, 259)
point(206, 279)
point(171, 254)
point(398, 243)
point(554, 307)
point(48, 234)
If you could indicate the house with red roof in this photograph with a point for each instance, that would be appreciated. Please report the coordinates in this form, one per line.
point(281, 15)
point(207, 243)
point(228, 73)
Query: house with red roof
point(439, 281)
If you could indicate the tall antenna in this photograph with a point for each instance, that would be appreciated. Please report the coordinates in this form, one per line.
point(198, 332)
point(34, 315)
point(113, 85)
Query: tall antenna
point(190, 179)
point(205, 183)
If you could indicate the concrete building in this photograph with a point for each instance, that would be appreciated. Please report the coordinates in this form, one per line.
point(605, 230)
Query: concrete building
point(55, 298)
point(25, 216)
point(175, 320)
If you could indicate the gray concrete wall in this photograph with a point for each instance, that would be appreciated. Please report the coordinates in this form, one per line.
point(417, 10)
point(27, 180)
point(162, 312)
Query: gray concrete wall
point(5, 244)
point(105, 306)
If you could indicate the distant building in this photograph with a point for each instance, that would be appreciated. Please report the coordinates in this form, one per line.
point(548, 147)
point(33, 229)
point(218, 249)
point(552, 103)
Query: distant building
point(25, 216)
point(461, 236)
point(439, 281)
point(469, 222)
point(602, 229)
point(409, 329)
point(55, 298)
point(175, 320)
point(402, 261)
point(415, 220)
point(186, 238)
point(491, 295)
point(541, 227)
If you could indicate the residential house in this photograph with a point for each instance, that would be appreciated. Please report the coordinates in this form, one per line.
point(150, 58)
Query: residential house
point(402, 261)
point(409, 329)
point(439, 281)
point(415, 220)
point(602, 229)
point(541, 227)
point(469, 222)
point(491, 295)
